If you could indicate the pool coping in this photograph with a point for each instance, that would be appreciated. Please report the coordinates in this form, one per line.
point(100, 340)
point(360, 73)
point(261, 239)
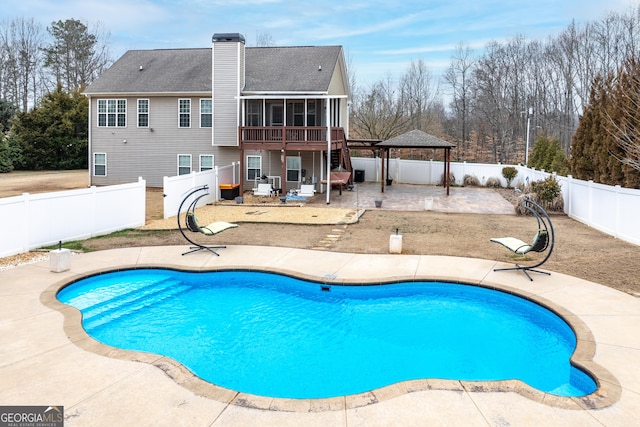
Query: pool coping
point(608, 390)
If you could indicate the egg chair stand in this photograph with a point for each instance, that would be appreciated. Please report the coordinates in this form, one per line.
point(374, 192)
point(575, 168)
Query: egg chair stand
point(543, 241)
point(192, 225)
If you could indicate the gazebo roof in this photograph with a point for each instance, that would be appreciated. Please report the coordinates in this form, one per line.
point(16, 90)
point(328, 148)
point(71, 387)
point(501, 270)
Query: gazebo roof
point(415, 139)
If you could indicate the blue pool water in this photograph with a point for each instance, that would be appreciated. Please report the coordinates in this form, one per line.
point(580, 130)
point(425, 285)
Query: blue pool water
point(278, 336)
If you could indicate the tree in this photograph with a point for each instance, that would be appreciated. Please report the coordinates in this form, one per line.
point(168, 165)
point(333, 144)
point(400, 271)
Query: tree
point(597, 153)
point(77, 56)
point(622, 121)
point(10, 153)
point(548, 155)
point(417, 95)
point(20, 64)
point(378, 114)
point(458, 76)
point(7, 112)
point(264, 39)
point(54, 134)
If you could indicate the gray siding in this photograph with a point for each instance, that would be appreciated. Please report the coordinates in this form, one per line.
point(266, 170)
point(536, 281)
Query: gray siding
point(226, 88)
point(153, 154)
point(271, 166)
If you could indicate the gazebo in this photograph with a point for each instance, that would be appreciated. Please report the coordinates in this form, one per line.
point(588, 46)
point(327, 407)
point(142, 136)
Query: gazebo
point(417, 139)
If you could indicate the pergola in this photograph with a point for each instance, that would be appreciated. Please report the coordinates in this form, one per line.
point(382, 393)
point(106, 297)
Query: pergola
point(417, 139)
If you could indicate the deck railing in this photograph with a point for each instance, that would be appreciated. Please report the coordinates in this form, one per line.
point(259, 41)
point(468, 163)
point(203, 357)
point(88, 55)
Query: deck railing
point(298, 135)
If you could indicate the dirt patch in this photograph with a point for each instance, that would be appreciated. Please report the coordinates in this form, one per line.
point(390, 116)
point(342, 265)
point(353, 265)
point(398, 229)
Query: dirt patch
point(18, 182)
point(580, 251)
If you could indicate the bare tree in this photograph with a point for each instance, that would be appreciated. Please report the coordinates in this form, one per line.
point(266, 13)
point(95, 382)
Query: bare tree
point(377, 113)
point(459, 77)
point(417, 94)
point(20, 42)
point(264, 39)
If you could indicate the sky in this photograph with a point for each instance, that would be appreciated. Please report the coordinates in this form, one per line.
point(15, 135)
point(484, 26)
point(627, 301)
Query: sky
point(380, 37)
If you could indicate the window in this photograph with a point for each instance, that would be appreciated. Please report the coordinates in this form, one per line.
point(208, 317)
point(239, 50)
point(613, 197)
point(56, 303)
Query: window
point(143, 113)
point(206, 110)
point(254, 112)
point(295, 113)
point(206, 162)
point(254, 167)
point(277, 115)
point(184, 164)
point(311, 112)
point(112, 112)
point(99, 164)
point(184, 113)
point(293, 169)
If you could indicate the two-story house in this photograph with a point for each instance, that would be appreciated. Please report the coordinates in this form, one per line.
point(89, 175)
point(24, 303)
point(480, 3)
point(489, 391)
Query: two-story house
point(280, 112)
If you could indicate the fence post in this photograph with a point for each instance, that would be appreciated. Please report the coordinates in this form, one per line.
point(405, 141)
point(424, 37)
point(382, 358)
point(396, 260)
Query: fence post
point(216, 185)
point(94, 213)
point(617, 212)
point(568, 195)
point(590, 202)
point(25, 217)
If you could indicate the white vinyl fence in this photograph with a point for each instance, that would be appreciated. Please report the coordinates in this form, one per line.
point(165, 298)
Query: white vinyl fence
point(610, 209)
point(31, 221)
point(175, 188)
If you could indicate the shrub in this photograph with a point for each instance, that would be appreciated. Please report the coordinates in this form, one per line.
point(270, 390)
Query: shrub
point(470, 181)
point(547, 190)
point(452, 179)
point(547, 193)
point(493, 182)
point(509, 173)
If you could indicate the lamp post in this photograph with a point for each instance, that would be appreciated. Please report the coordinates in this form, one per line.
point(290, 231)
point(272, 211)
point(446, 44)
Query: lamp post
point(526, 151)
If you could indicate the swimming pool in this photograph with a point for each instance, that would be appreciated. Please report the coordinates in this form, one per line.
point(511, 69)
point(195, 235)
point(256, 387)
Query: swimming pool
point(278, 336)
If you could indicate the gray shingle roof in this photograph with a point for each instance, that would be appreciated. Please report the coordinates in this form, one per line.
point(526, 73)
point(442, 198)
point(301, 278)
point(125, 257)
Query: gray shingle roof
point(163, 71)
point(416, 139)
point(268, 69)
point(290, 69)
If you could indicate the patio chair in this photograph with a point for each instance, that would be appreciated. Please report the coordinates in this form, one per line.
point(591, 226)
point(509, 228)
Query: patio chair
point(263, 190)
point(543, 240)
point(306, 190)
point(191, 224)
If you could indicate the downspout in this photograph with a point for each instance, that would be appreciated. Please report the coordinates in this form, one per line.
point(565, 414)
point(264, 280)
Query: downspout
point(328, 112)
point(89, 134)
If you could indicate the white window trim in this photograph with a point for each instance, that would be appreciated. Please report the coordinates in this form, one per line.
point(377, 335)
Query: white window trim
point(94, 164)
point(299, 169)
point(211, 113)
point(212, 161)
point(106, 113)
point(180, 113)
point(247, 167)
point(178, 164)
point(148, 113)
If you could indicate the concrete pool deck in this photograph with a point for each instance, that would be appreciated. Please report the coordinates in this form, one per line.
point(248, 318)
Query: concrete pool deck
point(46, 359)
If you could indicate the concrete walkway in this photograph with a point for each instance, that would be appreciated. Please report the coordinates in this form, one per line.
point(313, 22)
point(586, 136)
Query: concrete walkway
point(47, 359)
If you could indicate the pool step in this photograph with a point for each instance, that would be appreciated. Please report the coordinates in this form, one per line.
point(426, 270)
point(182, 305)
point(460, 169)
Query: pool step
point(114, 308)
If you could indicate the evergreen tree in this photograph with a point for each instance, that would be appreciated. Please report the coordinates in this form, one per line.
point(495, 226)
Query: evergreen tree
point(7, 111)
point(623, 125)
point(77, 55)
point(10, 153)
point(54, 134)
point(548, 155)
point(587, 142)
